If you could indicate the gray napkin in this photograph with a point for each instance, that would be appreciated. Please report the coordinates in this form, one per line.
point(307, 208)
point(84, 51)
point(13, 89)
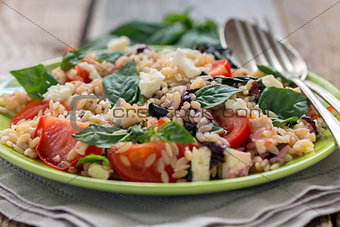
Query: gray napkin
point(293, 201)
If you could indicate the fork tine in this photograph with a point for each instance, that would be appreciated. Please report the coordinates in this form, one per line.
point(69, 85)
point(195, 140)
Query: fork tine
point(258, 52)
point(245, 45)
point(267, 47)
point(279, 50)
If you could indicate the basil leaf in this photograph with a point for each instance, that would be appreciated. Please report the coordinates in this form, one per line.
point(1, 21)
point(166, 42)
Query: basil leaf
point(167, 35)
point(183, 18)
point(214, 95)
point(277, 122)
point(109, 56)
point(232, 80)
point(268, 70)
point(93, 158)
point(138, 31)
point(156, 111)
point(100, 135)
point(173, 132)
point(138, 134)
point(123, 84)
point(36, 80)
point(284, 102)
point(194, 38)
point(71, 59)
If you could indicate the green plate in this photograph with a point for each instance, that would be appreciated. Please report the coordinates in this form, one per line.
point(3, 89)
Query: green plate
point(323, 147)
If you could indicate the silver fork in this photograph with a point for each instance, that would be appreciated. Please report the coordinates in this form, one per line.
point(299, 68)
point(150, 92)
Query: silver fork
point(253, 45)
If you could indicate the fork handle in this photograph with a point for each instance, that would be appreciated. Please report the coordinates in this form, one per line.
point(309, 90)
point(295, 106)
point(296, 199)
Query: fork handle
point(328, 97)
point(332, 123)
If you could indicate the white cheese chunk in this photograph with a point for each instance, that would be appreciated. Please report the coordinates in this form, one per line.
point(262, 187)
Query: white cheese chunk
point(271, 81)
point(150, 82)
point(98, 171)
point(118, 43)
point(200, 164)
point(235, 104)
point(237, 163)
point(185, 64)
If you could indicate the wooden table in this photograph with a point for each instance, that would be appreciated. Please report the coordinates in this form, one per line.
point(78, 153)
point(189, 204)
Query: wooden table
point(23, 43)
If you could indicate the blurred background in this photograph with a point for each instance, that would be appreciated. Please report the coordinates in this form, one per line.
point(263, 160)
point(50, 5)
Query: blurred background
point(37, 30)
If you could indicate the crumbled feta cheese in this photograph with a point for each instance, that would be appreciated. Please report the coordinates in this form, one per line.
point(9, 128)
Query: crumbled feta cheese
point(185, 64)
point(234, 104)
point(98, 171)
point(237, 163)
point(200, 164)
point(118, 43)
point(271, 81)
point(93, 74)
point(150, 82)
point(59, 92)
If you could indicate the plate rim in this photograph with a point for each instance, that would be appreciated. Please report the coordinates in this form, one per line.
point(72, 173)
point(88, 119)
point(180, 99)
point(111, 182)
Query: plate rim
point(168, 189)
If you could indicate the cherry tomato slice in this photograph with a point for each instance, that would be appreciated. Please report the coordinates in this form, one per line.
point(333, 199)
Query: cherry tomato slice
point(67, 49)
point(82, 73)
point(31, 110)
point(56, 142)
point(237, 127)
point(220, 68)
point(130, 165)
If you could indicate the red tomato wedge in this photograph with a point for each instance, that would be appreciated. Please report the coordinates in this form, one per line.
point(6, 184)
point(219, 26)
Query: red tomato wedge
point(31, 110)
point(56, 142)
point(220, 68)
point(237, 127)
point(67, 49)
point(82, 73)
point(130, 165)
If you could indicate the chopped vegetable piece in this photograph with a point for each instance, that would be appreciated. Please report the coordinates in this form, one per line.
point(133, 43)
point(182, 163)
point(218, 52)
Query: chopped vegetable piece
point(31, 110)
point(56, 146)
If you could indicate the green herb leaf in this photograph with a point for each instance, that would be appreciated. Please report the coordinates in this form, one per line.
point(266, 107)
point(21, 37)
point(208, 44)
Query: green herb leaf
point(167, 35)
point(271, 71)
point(194, 38)
point(182, 18)
point(277, 122)
point(35, 80)
point(123, 84)
point(214, 95)
point(71, 59)
point(109, 56)
point(100, 135)
point(93, 158)
point(172, 132)
point(138, 31)
point(138, 134)
point(284, 102)
point(232, 80)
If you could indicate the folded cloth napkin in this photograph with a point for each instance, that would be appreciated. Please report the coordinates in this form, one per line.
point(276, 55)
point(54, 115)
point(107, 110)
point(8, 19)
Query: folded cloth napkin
point(292, 201)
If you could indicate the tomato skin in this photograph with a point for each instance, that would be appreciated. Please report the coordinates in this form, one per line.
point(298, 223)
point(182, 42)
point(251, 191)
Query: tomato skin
point(67, 49)
point(137, 155)
point(56, 139)
point(31, 110)
point(237, 127)
point(82, 73)
point(220, 68)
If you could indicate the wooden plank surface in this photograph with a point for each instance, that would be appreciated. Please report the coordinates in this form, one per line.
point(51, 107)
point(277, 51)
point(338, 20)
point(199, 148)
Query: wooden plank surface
point(24, 44)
